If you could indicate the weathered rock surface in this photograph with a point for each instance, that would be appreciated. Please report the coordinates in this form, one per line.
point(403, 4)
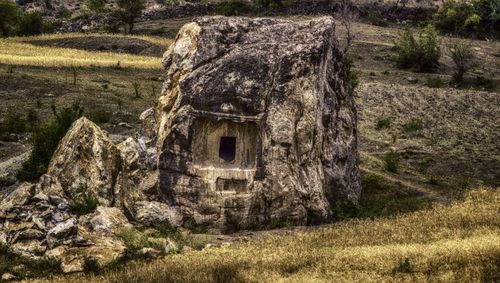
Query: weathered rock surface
point(86, 163)
point(277, 91)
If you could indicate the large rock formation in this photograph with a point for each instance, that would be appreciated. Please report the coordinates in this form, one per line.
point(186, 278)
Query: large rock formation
point(256, 123)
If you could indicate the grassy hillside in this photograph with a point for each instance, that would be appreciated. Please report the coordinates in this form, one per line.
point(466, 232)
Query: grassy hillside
point(460, 242)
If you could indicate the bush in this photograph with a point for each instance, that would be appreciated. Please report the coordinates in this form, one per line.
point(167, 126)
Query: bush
point(413, 126)
point(271, 4)
point(383, 123)
point(422, 54)
point(45, 138)
point(14, 122)
point(86, 205)
point(30, 23)
point(351, 74)
point(464, 59)
point(9, 14)
point(100, 116)
point(468, 17)
point(233, 7)
point(96, 6)
point(434, 82)
point(391, 161)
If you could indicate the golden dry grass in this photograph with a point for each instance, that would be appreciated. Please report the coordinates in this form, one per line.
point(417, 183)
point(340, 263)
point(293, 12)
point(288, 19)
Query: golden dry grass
point(459, 243)
point(15, 51)
point(153, 39)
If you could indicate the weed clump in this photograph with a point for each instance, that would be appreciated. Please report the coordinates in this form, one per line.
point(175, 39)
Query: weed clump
point(422, 53)
point(383, 123)
point(434, 82)
point(391, 161)
point(463, 58)
point(86, 205)
point(413, 126)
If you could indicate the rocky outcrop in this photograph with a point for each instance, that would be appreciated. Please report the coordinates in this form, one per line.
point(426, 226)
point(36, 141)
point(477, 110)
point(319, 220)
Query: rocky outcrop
point(256, 123)
point(86, 163)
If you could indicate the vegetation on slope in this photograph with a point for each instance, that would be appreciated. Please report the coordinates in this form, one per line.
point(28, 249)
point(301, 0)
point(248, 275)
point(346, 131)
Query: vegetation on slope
point(460, 242)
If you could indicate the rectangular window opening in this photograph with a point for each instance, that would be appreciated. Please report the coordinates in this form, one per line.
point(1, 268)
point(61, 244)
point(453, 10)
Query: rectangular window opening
point(227, 148)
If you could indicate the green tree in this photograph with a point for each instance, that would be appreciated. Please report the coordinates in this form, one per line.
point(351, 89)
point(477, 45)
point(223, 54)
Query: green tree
point(30, 23)
point(9, 14)
point(96, 6)
point(45, 138)
point(129, 10)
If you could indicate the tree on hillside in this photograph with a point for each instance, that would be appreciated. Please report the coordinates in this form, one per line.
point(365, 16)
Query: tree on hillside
point(30, 23)
point(129, 10)
point(347, 16)
point(9, 13)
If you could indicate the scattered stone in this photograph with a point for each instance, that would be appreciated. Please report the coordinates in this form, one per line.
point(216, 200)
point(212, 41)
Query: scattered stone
point(61, 231)
point(108, 220)
point(148, 253)
point(8, 277)
point(412, 80)
point(150, 213)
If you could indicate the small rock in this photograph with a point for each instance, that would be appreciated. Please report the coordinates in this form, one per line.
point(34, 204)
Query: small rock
point(412, 80)
point(124, 125)
point(61, 231)
point(8, 277)
point(149, 253)
point(40, 197)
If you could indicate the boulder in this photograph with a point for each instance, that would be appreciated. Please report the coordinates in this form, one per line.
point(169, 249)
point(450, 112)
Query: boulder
point(86, 162)
point(106, 220)
point(18, 197)
point(61, 232)
point(151, 213)
point(256, 122)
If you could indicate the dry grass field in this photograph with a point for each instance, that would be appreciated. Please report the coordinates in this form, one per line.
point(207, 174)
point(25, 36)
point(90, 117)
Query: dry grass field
point(457, 243)
point(20, 51)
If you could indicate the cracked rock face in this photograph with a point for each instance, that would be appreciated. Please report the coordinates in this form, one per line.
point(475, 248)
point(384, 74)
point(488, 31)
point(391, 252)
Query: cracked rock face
point(86, 163)
point(256, 123)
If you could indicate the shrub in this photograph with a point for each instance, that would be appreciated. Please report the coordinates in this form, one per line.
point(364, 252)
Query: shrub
point(403, 267)
point(30, 23)
point(14, 122)
point(90, 264)
point(351, 74)
point(96, 6)
point(383, 123)
point(413, 126)
point(391, 161)
point(45, 138)
point(86, 205)
point(271, 4)
point(422, 53)
point(100, 116)
point(9, 14)
point(464, 59)
point(434, 82)
point(233, 7)
point(344, 209)
point(468, 17)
